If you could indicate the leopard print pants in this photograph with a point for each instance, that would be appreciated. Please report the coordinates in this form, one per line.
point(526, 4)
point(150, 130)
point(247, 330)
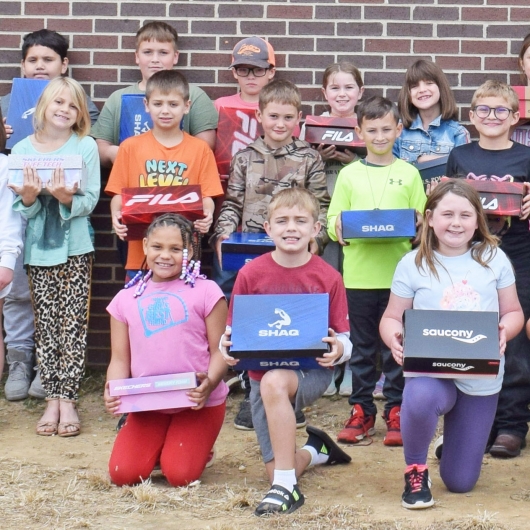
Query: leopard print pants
point(60, 299)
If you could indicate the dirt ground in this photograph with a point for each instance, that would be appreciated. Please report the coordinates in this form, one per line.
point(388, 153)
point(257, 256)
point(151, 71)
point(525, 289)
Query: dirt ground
point(62, 482)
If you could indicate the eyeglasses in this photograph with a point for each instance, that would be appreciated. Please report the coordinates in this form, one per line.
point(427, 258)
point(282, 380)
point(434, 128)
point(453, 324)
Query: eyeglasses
point(242, 71)
point(483, 111)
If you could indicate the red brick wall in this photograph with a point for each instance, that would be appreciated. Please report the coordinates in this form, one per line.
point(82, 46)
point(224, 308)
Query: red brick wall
point(472, 40)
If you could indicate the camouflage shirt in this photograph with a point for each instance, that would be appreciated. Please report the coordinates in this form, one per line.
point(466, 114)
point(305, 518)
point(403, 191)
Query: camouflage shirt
point(259, 172)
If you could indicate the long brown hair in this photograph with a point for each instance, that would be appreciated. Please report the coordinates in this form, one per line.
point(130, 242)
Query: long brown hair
point(423, 70)
point(482, 251)
point(524, 47)
point(3, 135)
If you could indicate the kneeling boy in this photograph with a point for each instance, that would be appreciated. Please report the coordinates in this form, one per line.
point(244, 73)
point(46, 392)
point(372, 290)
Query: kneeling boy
point(292, 221)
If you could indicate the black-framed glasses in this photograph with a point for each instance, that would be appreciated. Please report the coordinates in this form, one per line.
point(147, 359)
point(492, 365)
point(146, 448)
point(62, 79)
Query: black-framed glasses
point(243, 71)
point(483, 111)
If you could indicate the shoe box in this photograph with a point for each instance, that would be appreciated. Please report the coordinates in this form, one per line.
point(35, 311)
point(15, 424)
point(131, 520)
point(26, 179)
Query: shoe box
point(279, 331)
point(242, 247)
point(431, 169)
point(523, 92)
point(330, 130)
point(154, 392)
point(134, 119)
point(451, 344)
point(75, 171)
point(378, 224)
point(140, 206)
point(24, 96)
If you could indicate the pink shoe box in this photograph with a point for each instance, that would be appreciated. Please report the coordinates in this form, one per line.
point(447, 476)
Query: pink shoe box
point(156, 392)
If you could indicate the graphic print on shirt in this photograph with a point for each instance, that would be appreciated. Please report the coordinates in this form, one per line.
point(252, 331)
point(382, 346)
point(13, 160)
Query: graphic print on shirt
point(161, 311)
point(163, 173)
point(460, 296)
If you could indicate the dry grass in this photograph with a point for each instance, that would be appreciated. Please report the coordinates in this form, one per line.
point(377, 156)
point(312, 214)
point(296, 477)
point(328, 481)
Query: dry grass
point(35, 497)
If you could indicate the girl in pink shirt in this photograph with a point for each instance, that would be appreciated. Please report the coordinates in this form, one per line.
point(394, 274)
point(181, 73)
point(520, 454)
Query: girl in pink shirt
point(168, 321)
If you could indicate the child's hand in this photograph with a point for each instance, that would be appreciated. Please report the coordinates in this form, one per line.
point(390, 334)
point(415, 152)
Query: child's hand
point(224, 344)
point(218, 251)
point(326, 152)
point(31, 186)
point(119, 228)
point(8, 129)
point(431, 185)
point(201, 394)
point(203, 225)
point(396, 347)
point(6, 277)
point(58, 188)
point(338, 232)
point(112, 403)
point(329, 359)
point(502, 339)
point(344, 157)
point(525, 209)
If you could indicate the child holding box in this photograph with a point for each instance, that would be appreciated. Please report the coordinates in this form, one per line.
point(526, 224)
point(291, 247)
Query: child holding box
point(292, 222)
point(379, 182)
point(457, 265)
point(494, 111)
point(170, 323)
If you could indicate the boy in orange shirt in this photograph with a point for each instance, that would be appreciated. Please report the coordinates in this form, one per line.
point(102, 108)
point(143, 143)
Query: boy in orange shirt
point(164, 153)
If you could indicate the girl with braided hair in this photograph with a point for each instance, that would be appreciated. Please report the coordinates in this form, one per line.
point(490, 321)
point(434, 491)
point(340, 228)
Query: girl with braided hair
point(168, 321)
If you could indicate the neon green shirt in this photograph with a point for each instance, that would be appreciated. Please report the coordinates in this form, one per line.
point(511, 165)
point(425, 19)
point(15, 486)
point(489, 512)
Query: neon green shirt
point(370, 263)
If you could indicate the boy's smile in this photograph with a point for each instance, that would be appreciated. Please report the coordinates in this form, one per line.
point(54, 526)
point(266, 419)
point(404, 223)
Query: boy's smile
point(42, 62)
point(167, 110)
point(279, 121)
point(379, 135)
point(291, 229)
point(491, 127)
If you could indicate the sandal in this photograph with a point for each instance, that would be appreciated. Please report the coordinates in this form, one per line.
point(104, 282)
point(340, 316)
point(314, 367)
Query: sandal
point(65, 433)
point(290, 501)
point(44, 426)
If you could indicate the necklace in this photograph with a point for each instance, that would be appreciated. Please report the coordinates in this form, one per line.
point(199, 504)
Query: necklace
point(377, 207)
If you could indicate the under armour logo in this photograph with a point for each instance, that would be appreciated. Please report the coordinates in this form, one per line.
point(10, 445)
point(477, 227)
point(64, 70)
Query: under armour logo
point(399, 182)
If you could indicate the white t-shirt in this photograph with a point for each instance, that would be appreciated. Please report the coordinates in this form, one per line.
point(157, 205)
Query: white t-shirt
point(463, 285)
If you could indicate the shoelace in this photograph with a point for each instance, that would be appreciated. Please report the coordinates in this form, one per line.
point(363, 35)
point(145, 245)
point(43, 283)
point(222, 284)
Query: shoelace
point(393, 423)
point(416, 479)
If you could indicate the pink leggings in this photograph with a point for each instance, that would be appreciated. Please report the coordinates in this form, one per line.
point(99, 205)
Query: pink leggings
point(181, 442)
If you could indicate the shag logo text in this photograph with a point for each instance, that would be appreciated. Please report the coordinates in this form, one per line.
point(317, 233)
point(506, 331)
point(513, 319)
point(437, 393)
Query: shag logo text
point(462, 335)
point(278, 364)
point(284, 320)
point(377, 228)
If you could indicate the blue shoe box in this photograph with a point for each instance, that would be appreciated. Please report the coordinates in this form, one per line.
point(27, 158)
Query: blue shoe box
point(279, 331)
point(242, 247)
point(451, 344)
point(357, 224)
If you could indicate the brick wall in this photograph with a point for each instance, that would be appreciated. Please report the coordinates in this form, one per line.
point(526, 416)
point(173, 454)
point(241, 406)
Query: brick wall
point(472, 40)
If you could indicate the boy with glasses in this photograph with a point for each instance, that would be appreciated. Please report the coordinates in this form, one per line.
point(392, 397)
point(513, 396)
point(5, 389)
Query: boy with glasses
point(494, 112)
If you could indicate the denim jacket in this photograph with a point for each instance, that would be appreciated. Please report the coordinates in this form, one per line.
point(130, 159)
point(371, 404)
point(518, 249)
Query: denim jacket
point(439, 138)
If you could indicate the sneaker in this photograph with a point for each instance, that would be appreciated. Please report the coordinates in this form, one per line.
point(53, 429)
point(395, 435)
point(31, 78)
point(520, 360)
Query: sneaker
point(231, 379)
point(357, 427)
point(300, 420)
point(393, 425)
point(438, 447)
point(18, 380)
point(36, 390)
point(346, 388)
point(378, 391)
point(121, 422)
point(243, 420)
point(417, 494)
point(290, 501)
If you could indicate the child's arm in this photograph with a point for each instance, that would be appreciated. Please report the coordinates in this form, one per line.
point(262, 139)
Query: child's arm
point(120, 361)
point(528, 328)
point(336, 353)
point(215, 325)
point(511, 315)
point(203, 225)
point(339, 202)
point(525, 209)
point(115, 214)
point(30, 189)
point(391, 325)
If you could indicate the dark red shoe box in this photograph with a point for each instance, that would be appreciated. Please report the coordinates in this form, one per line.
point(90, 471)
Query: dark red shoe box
point(329, 130)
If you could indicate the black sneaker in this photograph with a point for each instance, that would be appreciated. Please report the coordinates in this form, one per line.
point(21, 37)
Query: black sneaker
point(439, 447)
point(121, 422)
point(290, 501)
point(417, 494)
point(243, 420)
point(300, 420)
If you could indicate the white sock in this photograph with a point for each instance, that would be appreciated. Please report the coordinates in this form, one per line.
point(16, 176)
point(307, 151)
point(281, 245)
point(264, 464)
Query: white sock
point(285, 478)
point(316, 456)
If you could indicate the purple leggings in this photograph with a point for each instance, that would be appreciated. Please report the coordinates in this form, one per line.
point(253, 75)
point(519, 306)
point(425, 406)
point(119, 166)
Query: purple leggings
point(467, 424)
